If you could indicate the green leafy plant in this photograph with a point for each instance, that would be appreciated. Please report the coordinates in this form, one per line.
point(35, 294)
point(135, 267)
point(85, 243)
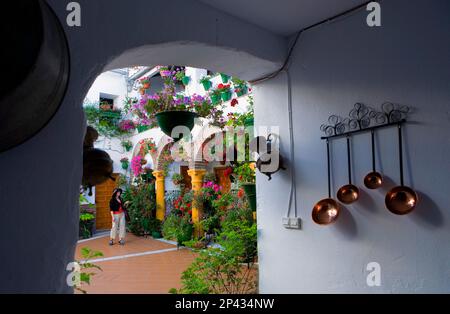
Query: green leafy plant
point(128, 103)
point(209, 177)
point(177, 179)
point(87, 219)
point(220, 269)
point(141, 200)
point(177, 227)
point(85, 275)
point(245, 172)
point(205, 79)
point(105, 121)
point(127, 145)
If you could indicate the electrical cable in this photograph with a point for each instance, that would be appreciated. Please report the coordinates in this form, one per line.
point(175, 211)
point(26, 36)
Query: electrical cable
point(285, 68)
point(297, 36)
point(293, 192)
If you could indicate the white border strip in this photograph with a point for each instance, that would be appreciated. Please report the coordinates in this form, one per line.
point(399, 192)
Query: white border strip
point(93, 238)
point(112, 258)
point(166, 241)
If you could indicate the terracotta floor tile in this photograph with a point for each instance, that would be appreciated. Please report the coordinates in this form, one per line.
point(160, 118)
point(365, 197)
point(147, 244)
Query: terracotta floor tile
point(155, 273)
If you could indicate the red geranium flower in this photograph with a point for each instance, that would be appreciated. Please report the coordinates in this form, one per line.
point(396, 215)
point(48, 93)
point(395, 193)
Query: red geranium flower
point(234, 102)
point(240, 193)
point(190, 212)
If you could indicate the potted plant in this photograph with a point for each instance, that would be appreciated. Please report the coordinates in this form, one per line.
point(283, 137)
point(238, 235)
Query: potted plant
point(215, 96)
point(165, 72)
point(245, 174)
point(180, 75)
point(177, 179)
point(125, 163)
point(136, 165)
point(145, 82)
point(240, 87)
point(225, 91)
point(206, 82)
point(127, 126)
point(142, 128)
point(127, 145)
point(240, 90)
point(171, 109)
point(225, 78)
point(86, 225)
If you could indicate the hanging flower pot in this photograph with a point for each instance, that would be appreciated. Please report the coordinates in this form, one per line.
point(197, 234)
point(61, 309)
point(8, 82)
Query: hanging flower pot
point(241, 90)
point(225, 78)
point(215, 98)
point(128, 145)
point(165, 73)
point(185, 80)
point(146, 85)
point(250, 191)
point(168, 120)
point(225, 95)
point(207, 85)
point(125, 164)
point(249, 122)
point(142, 128)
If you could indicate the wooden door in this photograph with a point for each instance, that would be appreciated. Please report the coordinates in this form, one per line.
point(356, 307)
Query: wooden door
point(222, 179)
point(103, 193)
point(187, 178)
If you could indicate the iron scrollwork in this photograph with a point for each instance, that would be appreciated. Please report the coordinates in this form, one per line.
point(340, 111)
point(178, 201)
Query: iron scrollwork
point(364, 117)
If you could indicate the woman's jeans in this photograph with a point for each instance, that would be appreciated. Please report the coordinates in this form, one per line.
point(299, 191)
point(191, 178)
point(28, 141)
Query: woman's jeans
point(118, 223)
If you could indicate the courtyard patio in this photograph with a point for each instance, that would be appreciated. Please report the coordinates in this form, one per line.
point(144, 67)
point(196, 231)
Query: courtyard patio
point(143, 265)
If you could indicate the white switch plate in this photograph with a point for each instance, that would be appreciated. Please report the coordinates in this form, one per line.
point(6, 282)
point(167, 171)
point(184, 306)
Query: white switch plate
point(292, 222)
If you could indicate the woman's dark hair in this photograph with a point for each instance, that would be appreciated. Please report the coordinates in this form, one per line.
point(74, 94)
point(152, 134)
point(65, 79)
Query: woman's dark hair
point(115, 192)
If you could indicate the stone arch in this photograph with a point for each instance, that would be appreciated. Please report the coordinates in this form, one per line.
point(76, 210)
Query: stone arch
point(93, 48)
point(199, 155)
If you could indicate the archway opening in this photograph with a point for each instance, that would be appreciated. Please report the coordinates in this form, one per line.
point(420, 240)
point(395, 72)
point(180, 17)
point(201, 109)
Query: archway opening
point(176, 192)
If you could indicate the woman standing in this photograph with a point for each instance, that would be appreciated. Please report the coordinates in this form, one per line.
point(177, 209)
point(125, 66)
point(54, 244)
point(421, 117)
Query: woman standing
point(118, 217)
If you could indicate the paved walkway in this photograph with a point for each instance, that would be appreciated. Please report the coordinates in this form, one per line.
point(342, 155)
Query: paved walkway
point(142, 265)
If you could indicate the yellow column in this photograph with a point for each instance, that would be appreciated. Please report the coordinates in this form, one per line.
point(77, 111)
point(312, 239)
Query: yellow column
point(197, 182)
point(160, 202)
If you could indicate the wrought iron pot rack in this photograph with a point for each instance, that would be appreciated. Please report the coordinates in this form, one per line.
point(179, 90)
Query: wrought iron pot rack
point(401, 199)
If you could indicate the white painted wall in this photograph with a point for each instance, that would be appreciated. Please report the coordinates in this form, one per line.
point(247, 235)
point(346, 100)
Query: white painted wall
point(335, 65)
point(111, 83)
point(40, 178)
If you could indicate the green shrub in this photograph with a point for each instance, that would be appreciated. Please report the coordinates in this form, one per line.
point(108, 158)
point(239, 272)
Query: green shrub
point(220, 269)
point(177, 228)
point(142, 209)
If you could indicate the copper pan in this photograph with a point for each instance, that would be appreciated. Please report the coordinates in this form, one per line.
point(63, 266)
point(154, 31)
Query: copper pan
point(374, 179)
point(326, 211)
point(401, 200)
point(349, 193)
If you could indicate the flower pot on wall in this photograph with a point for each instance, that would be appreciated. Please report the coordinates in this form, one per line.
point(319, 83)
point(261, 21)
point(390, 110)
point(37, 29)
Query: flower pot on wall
point(241, 90)
point(125, 165)
point(146, 85)
point(168, 120)
point(215, 99)
point(207, 85)
point(226, 95)
point(250, 191)
point(225, 78)
point(185, 80)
